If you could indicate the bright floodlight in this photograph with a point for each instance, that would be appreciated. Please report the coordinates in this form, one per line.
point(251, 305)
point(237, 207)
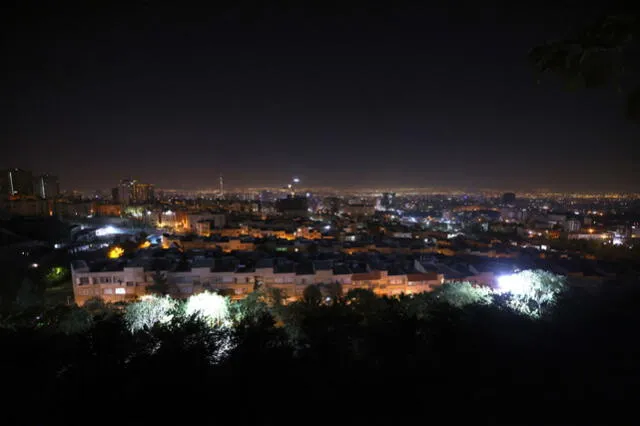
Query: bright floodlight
point(211, 307)
point(296, 180)
point(515, 284)
point(149, 311)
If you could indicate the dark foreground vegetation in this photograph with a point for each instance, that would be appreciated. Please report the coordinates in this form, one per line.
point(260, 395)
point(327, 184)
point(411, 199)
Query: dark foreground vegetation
point(439, 358)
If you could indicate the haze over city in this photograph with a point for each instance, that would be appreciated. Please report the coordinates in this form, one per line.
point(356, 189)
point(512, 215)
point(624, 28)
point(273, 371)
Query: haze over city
point(430, 96)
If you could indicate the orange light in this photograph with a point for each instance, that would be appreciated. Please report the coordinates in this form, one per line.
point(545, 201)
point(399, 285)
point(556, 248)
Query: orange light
point(145, 244)
point(115, 252)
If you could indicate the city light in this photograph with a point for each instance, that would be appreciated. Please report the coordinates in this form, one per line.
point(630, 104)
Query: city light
point(115, 252)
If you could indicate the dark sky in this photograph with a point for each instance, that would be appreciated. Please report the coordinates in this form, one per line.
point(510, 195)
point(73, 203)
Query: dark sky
point(439, 95)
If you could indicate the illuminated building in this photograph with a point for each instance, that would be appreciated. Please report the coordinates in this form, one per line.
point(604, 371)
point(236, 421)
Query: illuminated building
point(101, 209)
point(142, 193)
point(47, 186)
point(572, 225)
point(122, 282)
point(134, 192)
point(359, 210)
point(17, 182)
point(590, 235)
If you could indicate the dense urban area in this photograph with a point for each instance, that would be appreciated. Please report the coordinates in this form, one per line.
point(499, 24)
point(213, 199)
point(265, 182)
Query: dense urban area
point(137, 288)
point(342, 213)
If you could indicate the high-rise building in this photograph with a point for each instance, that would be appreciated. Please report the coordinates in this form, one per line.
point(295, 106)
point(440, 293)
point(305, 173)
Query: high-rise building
point(388, 199)
point(142, 193)
point(134, 192)
point(17, 182)
point(47, 186)
point(125, 191)
point(115, 196)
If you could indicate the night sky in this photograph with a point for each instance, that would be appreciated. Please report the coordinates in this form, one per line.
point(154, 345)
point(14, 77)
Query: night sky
point(437, 96)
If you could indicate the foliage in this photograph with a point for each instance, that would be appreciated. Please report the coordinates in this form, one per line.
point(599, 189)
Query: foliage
point(334, 291)
point(597, 56)
point(29, 292)
point(97, 307)
point(479, 351)
point(191, 338)
point(76, 321)
point(56, 274)
point(463, 294)
point(538, 292)
point(160, 284)
point(149, 311)
point(312, 295)
point(250, 308)
point(212, 308)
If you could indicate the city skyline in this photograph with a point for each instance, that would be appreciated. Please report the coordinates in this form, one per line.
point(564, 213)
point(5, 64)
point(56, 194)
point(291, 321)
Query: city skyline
point(346, 98)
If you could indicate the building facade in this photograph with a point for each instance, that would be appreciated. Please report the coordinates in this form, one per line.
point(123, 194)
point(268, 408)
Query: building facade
point(129, 283)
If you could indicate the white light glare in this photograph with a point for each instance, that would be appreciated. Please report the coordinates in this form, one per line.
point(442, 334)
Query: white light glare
point(212, 307)
point(107, 230)
point(515, 284)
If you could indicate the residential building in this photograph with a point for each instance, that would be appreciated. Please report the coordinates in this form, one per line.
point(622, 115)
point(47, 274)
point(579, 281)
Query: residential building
point(47, 186)
point(17, 182)
point(121, 281)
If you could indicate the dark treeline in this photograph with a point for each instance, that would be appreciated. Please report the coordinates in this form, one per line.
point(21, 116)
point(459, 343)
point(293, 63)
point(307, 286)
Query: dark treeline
point(359, 359)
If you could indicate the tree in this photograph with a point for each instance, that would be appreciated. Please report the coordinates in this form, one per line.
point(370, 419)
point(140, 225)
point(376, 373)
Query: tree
point(463, 294)
point(313, 249)
point(56, 274)
point(77, 320)
point(532, 292)
point(334, 291)
point(148, 312)
point(363, 300)
point(600, 55)
point(28, 293)
point(160, 284)
point(312, 295)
